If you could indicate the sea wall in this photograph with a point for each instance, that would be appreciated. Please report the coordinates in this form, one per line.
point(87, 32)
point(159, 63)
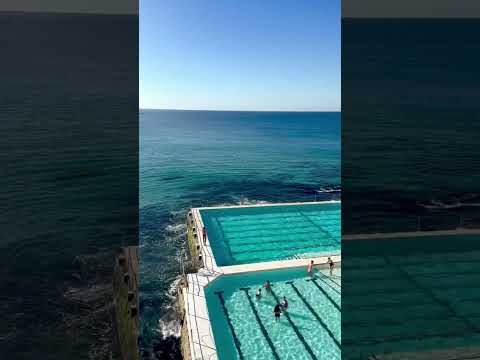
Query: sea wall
point(195, 261)
point(125, 317)
point(181, 311)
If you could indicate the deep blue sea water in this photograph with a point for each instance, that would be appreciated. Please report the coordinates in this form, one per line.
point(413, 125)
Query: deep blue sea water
point(410, 124)
point(410, 160)
point(69, 178)
point(204, 158)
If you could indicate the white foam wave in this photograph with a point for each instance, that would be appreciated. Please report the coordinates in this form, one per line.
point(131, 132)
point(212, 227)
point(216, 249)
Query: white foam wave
point(176, 228)
point(178, 212)
point(246, 201)
point(328, 190)
point(441, 205)
point(168, 328)
point(168, 324)
point(172, 289)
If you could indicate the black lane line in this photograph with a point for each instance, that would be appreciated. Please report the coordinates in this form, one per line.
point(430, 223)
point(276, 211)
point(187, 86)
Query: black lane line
point(380, 306)
point(471, 326)
point(225, 311)
point(439, 275)
point(330, 278)
point(273, 223)
point(225, 241)
point(259, 321)
point(381, 291)
point(281, 241)
point(426, 263)
point(319, 228)
point(282, 249)
point(405, 304)
point(274, 228)
point(312, 310)
point(397, 338)
point(328, 284)
point(388, 322)
point(325, 293)
point(299, 334)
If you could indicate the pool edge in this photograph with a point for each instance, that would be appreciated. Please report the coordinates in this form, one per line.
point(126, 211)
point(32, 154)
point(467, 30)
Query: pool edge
point(194, 317)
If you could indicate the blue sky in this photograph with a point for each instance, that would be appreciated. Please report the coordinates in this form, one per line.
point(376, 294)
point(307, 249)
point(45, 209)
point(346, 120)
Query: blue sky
point(240, 55)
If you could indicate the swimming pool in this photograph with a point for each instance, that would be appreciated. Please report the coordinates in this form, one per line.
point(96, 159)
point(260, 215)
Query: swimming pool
point(244, 327)
point(408, 295)
point(241, 235)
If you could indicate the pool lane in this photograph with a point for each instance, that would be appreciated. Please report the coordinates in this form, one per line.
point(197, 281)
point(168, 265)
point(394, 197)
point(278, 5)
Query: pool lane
point(312, 333)
point(283, 334)
point(267, 233)
point(411, 303)
point(230, 325)
point(260, 324)
point(308, 330)
point(314, 313)
point(251, 339)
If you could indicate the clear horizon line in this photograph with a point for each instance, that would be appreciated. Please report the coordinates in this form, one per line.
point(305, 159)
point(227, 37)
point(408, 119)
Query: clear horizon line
point(233, 110)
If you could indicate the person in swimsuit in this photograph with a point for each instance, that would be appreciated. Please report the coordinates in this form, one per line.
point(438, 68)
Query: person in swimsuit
point(204, 234)
point(268, 286)
point(258, 295)
point(310, 268)
point(284, 304)
point(277, 310)
point(331, 264)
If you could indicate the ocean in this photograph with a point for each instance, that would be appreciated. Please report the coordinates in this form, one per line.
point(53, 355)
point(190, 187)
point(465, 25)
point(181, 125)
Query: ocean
point(193, 158)
point(69, 178)
point(410, 161)
point(410, 124)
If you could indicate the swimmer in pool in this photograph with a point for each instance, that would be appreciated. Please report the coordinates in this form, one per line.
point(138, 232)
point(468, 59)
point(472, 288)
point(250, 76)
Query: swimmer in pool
point(268, 286)
point(258, 295)
point(284, 303)
point(310, 268)
point(277, 310)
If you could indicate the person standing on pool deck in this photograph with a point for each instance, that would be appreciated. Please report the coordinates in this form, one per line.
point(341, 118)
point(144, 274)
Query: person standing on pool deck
point(310, 268)
point(204, 233)
point(277, 310)
point(331, 264)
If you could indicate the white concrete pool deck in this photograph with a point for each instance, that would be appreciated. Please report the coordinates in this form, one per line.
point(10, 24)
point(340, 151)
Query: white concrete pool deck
point(201, 341)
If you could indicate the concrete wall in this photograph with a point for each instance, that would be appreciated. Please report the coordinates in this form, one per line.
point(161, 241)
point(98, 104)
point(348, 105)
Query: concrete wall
point(125, 317)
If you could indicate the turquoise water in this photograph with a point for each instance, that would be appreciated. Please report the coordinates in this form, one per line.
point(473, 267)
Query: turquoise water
point(200, 158)
point(311, 330)
point(266, 233)
point(408, 295)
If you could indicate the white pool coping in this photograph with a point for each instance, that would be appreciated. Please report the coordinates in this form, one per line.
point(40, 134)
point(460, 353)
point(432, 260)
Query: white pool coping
point(201, 340)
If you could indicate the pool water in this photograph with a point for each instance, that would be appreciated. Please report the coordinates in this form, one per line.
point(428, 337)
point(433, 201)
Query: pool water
point(410, 295)
point(265, 233)
point(244, 327)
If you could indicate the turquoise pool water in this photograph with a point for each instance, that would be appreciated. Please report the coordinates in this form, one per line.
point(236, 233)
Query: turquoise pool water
point(266, 233)
point(245, 328)
point(410, 295)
